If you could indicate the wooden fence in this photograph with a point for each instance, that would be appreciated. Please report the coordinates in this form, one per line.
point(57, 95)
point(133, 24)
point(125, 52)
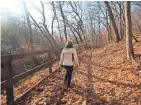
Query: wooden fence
point(10, 80)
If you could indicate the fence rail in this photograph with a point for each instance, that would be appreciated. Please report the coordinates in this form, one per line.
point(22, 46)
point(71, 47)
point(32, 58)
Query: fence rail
point(16, 78)
point(11, 57)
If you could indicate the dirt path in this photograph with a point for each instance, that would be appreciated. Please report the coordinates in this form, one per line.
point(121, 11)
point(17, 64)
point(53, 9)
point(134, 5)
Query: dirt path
point(52, 92)
point(95, 82)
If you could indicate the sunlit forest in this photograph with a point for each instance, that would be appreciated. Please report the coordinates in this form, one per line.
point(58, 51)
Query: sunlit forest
point(106, 35)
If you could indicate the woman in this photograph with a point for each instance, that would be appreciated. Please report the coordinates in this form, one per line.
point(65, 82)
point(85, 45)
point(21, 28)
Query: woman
point(67, 60)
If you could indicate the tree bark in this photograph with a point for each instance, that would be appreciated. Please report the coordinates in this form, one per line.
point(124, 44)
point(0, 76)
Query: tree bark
point(52, 25)
point(113, 21)
point(121, 22)
point(129, 46)
point(107, 27)
point(120, 27)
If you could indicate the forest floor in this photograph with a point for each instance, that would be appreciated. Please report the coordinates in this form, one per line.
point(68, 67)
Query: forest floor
point(105, 77)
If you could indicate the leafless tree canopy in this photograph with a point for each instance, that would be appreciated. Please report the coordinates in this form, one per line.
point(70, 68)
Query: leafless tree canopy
point(94, 23)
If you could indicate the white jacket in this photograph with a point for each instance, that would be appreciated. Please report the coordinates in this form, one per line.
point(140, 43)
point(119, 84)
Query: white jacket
point(66, 57)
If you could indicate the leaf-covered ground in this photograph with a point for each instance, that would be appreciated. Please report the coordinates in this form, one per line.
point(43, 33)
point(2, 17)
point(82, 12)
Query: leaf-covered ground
point(27, 83)
point(104, 77)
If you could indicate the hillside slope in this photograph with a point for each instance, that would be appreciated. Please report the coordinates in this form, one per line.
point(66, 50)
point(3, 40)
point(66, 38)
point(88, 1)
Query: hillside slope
point(117, 80)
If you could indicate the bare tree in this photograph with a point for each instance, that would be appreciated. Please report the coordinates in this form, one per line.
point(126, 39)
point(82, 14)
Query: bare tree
point(52, 26)
point(75, 6)
point(74, 30)
point(108, 26)
point(63, 17)
point(29, 26)
point(113, 21)
point(121, 11)
point(129, 46)
point(43, 27)
point(74, 35)
point(56, 17)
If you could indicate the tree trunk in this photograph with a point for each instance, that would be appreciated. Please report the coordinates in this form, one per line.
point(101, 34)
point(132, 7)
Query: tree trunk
point(63, 16)
point(129, 46)
point(99, 29)
point(95, 35)
point(48, 34)
point(26, 36)
point(52, 26)
point(113, 21)
point(29, 26)
point(58, 25)
point(139, 29)
point(74, 36)
point(120, 25)
point(30, 31)
point(124, 27)
point(107, 26)
point(91, 31)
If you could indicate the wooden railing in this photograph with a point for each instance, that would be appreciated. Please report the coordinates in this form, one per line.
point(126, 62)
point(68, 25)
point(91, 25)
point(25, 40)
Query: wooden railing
point(10, 80)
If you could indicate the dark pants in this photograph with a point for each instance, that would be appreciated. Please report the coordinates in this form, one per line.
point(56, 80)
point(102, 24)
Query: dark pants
point(68, 75)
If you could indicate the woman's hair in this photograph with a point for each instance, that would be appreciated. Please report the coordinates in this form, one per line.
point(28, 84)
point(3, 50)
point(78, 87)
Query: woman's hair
point(69, 44)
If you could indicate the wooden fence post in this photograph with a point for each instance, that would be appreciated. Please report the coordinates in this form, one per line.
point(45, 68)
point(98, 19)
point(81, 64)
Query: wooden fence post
point(9, 88)
point(50, 68)
point(50, 65)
